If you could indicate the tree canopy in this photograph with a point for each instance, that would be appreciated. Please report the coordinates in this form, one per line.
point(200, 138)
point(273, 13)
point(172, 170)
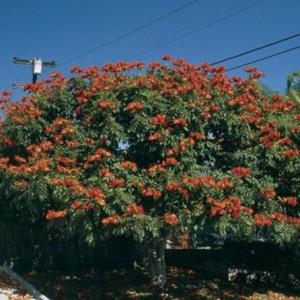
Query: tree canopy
point(293, 86)
point(129, 149)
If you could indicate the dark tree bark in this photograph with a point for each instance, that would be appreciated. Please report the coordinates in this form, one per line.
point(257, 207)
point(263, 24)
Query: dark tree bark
point(155, 253)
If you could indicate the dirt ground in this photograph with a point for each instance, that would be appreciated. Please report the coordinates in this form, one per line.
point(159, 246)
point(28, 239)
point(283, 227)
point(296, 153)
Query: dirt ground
point(134, 284)
point(11, 289)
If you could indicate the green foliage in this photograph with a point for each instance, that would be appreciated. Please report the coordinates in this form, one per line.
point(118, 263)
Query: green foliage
point(117, 152)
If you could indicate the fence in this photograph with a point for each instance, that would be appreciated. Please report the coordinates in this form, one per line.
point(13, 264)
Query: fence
point(28, 249)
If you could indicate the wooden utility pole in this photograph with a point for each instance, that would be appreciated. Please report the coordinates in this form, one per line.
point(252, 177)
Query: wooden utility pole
point(37, 65)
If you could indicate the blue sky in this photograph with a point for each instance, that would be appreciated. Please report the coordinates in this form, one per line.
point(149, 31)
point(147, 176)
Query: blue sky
point(62, 29)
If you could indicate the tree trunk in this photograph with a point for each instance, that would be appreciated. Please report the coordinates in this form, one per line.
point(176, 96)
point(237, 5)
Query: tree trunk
point(155, 252)
point(157, 264)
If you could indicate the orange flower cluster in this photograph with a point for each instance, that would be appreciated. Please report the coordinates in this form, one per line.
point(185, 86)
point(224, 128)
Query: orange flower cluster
point(67, 130)
point(151, 192)
point(89, 141)
point(169, 161)
point(4, 162)
point(268, 193)
point(65, 160)
point(293, 220)
point(53, 214)
point(156, 168)
point(6, 93)
point(82, 97)
point(139, 185)
point(21, 184)
point(41, 165)
point(6, 140)
point(180, 122)
point(173, 186)
point(87, 206)
point(66, 170)
point(247, 210)
point(74, 184)
point(106, 104)
point(271, 134)
point(292, 201)
point(279, 104)
point(21, 113)
point(105, 173)
point(280, 217)
point(208, 180)
point(62, 122)
point(134, 106)
point(185, 194)
point(253, 109)
point(262, 220)
point(183, 144)
point(94, 193)
point(120, 182)
point(76, 204)
point(122, 66)
point(58, 80)
point(255, 74)
point(61, 129)
point(277, 216)
point(83, 206)
point(97, 195)
point(46, 145)
point(128, 165)
point(114, 219)
point(171, 219)
point(241, 172)
point(35, 150)
point(22, 169)
point(231, 205)
point(98, 156)
point(240, 100)
point(250, 119)
point(160, 119)
point(135, 209)
point(88, 120)
point(155, 137)
point(206, 114)
point(72, 144)
point(285, 141)
point(197, 136)
point(291, 153)
point(20, 159)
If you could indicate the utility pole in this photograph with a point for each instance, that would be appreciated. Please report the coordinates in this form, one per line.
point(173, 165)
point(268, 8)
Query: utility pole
point(37, 65)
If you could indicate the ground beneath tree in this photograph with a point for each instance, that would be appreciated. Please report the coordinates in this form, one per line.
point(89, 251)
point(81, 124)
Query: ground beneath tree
point(11, 289)
point(134, 284)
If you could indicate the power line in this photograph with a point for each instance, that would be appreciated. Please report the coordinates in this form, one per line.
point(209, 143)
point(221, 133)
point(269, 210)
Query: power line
point(182, 36)
point(37, 65)
point(39, 37)
point(256, 49)
point(124, 35)
point(264, 58)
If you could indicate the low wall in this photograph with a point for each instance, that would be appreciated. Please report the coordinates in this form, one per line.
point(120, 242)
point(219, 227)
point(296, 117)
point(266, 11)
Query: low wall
point(211, 263)
point(33, 249)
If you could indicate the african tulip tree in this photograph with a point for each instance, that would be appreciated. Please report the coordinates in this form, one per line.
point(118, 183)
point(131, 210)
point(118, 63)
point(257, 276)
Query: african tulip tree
point(142, 151)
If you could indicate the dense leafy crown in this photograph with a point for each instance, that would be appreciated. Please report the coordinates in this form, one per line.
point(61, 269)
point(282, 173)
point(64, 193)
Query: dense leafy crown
point(136, 150)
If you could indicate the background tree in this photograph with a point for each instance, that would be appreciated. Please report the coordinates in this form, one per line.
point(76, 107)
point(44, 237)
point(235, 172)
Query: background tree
point(142, 151)
point(293, 86)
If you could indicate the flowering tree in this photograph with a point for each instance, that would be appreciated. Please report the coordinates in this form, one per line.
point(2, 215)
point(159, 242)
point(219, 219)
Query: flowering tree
point(141, 151)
